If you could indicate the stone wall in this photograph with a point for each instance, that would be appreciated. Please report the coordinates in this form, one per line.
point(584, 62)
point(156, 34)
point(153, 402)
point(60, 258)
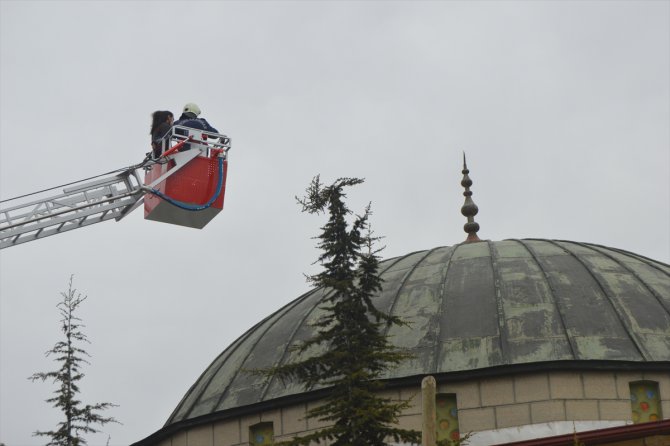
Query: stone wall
point(483, 405)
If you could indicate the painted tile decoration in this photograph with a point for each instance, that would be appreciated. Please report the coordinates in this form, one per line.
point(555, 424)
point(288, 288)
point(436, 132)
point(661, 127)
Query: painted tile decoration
point(645, 401)
point(447, 417)
point(261, 434)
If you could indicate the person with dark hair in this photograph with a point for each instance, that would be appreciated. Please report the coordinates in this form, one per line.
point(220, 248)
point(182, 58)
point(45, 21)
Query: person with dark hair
point(161, 122)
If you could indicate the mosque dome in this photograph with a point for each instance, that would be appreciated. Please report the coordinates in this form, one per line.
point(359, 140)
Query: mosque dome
point(474, 309)
point(523, 338)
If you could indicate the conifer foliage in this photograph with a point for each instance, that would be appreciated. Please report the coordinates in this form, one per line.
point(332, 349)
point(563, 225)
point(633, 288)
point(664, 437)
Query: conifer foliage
point(79, 419)
point(351, 333)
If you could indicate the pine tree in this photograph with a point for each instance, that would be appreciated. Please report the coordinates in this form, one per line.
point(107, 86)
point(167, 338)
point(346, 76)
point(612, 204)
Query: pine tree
point(355, 350)
point(80, 419)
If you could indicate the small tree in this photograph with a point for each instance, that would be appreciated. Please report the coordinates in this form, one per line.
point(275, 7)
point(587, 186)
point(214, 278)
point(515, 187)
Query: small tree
point(79, 418)
point(356, 350)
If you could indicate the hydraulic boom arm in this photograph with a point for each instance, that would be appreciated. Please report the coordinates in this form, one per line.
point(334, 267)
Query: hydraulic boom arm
point(110, 196)
point(78, 206)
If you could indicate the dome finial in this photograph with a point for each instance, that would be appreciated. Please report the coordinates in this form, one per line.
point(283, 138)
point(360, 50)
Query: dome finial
point(469, 208)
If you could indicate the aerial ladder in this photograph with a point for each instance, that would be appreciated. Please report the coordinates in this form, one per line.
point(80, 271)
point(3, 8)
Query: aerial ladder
point(184, 184)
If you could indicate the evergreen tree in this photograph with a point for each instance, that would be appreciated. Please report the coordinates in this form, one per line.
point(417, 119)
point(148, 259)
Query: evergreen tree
point(355, 350)
point(79, 419)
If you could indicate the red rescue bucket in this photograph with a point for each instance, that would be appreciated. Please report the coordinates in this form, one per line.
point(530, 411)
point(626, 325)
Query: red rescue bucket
point(193, 184)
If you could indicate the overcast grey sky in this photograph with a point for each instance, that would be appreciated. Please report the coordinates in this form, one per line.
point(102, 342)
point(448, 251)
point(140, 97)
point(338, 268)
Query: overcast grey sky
point(563, 109)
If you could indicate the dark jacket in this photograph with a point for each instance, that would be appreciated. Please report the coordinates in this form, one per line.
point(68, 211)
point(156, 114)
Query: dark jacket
point(194, 123)
point(157, 137)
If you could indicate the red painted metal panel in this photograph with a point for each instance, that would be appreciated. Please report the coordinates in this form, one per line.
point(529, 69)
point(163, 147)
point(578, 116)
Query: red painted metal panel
point(194, 184)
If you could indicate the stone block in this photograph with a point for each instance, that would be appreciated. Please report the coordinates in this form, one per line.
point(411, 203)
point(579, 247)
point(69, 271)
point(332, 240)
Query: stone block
point(289, 437)
point(599, 385)
point(413, 396)
point(201, 436)
point(531, 388)
point(245, 424)
point(581, 410)
point(273, 416)
point(293, 420)
point(180, 439)
point(565, 385)
point(393, 394)
point(280, 438)
point(497, 391)
point(474, 420)
point(227, 433)
point(410, 422)
point(545, 411)
point(512, 415)
point(615, 410)
point(623, 380)
point(467, 394)
point(314, 423)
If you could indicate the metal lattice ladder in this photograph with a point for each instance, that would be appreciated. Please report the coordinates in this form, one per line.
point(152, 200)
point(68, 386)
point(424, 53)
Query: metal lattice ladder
point(85, 204)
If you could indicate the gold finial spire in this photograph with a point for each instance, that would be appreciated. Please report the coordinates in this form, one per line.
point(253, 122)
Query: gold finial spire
point(469, 208)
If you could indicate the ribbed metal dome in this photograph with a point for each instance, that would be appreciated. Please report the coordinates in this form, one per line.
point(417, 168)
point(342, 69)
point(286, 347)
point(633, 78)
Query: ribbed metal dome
point(472, 307)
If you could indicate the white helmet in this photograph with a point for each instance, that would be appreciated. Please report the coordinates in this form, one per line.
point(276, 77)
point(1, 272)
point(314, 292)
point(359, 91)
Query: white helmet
point(192, 108)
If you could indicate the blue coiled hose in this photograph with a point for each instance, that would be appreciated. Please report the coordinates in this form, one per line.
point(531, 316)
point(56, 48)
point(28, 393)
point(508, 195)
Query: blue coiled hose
point(189, 207)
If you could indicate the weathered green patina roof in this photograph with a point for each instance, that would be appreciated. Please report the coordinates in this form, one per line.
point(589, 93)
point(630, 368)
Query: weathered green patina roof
point(473, 307)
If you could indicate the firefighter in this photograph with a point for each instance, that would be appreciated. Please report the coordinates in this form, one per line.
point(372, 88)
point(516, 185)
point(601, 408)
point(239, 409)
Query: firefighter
point(189, 118)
